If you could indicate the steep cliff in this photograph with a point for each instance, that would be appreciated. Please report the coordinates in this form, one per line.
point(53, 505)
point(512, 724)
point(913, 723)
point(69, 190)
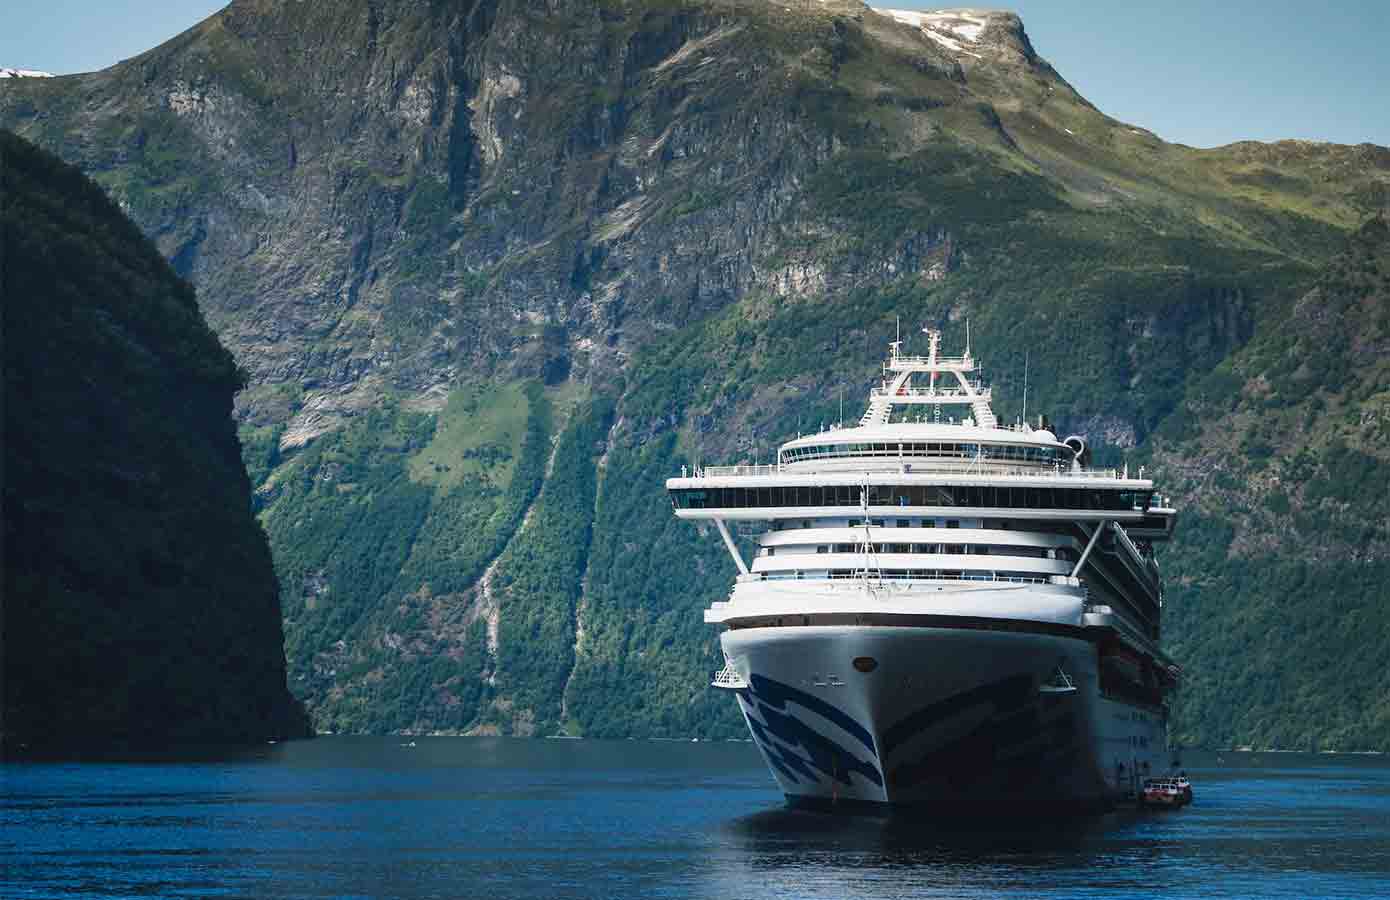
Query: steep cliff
point(140, 600)
point(496, 268)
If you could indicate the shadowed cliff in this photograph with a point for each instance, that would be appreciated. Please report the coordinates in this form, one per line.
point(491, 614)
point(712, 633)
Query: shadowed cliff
point(141, 607)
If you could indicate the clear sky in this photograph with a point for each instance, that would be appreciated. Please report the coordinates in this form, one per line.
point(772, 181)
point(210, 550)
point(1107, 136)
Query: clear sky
point(1201, 73)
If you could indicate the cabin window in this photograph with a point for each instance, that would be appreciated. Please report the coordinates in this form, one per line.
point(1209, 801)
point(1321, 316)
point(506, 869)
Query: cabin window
point(953, 523)
point(904, 523)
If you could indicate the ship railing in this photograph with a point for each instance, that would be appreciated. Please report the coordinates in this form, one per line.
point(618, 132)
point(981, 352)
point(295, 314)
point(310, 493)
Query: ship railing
point(728, 677)
point(942, 362)
point(891, 463)
point(946, 395)
point(728, 471)
point(1128, 543)
point(874, 576)
point(1145, 568)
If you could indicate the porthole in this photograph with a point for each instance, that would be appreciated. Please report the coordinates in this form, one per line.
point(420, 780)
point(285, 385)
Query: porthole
point(865, 664)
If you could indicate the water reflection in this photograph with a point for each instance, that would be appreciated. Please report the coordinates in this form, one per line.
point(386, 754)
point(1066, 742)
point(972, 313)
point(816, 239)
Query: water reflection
point(616, 819)
point(807, 854)
point(1317, 829)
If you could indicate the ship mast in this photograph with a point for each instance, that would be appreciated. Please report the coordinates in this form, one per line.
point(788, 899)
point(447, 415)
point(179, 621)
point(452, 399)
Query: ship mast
point(897, 388)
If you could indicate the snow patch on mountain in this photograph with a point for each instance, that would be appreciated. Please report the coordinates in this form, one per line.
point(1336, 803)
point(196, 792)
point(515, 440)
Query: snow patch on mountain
point(23, 73)
point(947, 27)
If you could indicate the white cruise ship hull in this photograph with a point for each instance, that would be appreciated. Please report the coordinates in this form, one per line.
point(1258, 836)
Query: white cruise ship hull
point(949, 719)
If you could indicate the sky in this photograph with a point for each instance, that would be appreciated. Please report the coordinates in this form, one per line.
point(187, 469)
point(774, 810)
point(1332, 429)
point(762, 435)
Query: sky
point(1198, 73)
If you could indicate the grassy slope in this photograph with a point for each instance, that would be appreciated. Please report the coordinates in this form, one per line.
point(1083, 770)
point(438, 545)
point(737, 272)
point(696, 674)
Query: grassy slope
point(374, 558)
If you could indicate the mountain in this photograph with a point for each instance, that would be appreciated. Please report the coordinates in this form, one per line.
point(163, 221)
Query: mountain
point(1283, 452)
point(496, 269)
point(140, 598)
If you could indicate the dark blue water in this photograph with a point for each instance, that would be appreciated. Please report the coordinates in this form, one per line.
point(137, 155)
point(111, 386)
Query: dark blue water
point(498, 818)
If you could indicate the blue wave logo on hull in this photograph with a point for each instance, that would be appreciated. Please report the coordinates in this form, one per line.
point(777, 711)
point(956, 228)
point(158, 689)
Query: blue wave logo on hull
point(767, 700)
point(1018, 744)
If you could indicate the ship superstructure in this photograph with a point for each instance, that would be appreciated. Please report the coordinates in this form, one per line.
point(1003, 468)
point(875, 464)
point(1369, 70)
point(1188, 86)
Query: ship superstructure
point(941, 610)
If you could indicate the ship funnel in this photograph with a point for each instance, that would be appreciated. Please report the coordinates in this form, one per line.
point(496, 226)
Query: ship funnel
point(1077, 444)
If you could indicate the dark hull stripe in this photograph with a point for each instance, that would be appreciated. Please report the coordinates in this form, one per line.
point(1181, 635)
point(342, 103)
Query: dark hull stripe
point(1005, 694)
point(776, 695)
point(823, 755)
point(996, 760)
point(1027, 742)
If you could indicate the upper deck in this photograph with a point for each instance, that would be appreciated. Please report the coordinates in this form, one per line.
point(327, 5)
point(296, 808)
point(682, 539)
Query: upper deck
point(927, 462)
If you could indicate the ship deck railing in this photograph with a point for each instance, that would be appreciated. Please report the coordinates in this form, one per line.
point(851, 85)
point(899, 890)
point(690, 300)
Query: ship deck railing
point(973, 469)
point(941, 362)
point(1147, 564)
point(728, 678)
point(947, 395)
point(874, 575)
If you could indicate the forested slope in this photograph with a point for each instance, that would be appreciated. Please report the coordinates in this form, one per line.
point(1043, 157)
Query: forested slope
point(1279, 597)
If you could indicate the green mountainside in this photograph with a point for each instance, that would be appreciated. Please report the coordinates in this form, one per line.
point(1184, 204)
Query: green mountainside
point(141, 605)
point(1278, 591)
point(496, 270)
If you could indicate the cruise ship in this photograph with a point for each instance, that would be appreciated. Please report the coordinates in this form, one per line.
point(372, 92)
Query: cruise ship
point(941, 612)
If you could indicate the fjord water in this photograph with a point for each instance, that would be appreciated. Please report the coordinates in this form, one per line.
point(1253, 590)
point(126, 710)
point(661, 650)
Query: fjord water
point(503, 818)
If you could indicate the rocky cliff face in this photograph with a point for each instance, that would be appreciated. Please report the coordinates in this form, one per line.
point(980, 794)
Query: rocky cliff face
point(461, 247)
point(141, 606)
